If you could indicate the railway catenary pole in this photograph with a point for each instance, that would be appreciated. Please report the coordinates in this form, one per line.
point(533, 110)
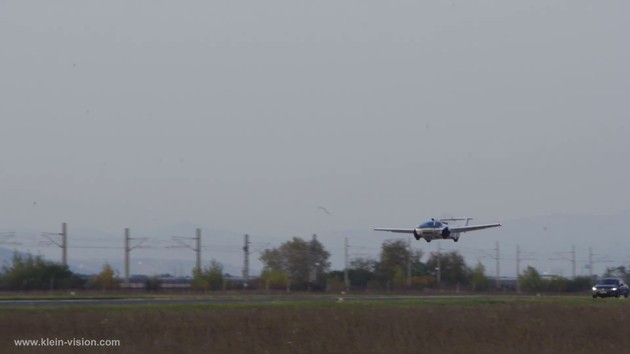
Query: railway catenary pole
point(409, 262)
point(498, 257)
point(346, 280)
point(518, 268)
point(590, 262)
point(198, 249)
point(127, 250)
point(246, 262)
point(64, 243)
point(573, 259)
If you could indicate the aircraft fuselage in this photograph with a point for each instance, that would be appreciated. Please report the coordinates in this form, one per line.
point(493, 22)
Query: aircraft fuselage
point(434, 229)
point(439, 229)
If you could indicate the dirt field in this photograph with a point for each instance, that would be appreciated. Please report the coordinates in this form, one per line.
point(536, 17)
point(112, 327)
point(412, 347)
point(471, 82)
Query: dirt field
point(501, 326)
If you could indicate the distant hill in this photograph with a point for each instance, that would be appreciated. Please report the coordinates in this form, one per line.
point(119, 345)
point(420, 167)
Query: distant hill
point(6, 256)
point(147, 266)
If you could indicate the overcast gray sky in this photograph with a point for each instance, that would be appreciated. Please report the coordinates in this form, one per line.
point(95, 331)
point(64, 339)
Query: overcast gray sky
point(248, 115)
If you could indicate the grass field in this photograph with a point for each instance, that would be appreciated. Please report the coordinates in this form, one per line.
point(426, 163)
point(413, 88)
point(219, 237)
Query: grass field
point(476, 325)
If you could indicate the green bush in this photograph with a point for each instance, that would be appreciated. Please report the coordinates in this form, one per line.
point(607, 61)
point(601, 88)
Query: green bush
point(28, 272)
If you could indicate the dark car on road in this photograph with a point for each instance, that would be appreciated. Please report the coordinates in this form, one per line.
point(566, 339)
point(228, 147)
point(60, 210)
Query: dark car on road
point(610, 287)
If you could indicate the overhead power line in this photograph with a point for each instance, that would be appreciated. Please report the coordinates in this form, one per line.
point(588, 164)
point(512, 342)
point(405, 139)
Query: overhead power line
point(197, 248)
point(62, 243)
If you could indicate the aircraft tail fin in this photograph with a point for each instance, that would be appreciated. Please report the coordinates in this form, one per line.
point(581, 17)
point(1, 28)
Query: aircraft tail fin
point(457, 219)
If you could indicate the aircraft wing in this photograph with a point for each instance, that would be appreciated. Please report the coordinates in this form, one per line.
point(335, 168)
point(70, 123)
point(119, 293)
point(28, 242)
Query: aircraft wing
point(406, 231)
point(457, 229)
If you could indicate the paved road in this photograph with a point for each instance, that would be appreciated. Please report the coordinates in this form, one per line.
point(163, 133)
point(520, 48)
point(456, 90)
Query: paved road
point(219, 300)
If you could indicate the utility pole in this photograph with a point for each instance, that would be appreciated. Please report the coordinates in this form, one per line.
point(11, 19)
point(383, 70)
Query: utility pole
point(498, 258)
point(346, 280)
point(573, 259)
point(590, 262)
point(246, 253)
point(518, 269)
point(63, 244)
point(64, 241)
point(246, 262)
point(196, 248)
point(128, 249)
point(409, 263)
point(563, 256)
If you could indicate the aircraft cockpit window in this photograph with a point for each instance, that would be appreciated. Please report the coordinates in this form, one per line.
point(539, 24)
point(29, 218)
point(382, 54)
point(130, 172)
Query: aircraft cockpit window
point(429, 224)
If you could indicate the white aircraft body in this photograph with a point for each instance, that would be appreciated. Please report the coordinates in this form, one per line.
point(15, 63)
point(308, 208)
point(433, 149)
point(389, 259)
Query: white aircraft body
point(439, 229)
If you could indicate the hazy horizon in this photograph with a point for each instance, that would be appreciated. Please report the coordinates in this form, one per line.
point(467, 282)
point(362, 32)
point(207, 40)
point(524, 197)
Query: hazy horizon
point(545, 242)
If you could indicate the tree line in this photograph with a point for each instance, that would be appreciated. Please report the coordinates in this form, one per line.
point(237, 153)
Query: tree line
point(303, 265)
